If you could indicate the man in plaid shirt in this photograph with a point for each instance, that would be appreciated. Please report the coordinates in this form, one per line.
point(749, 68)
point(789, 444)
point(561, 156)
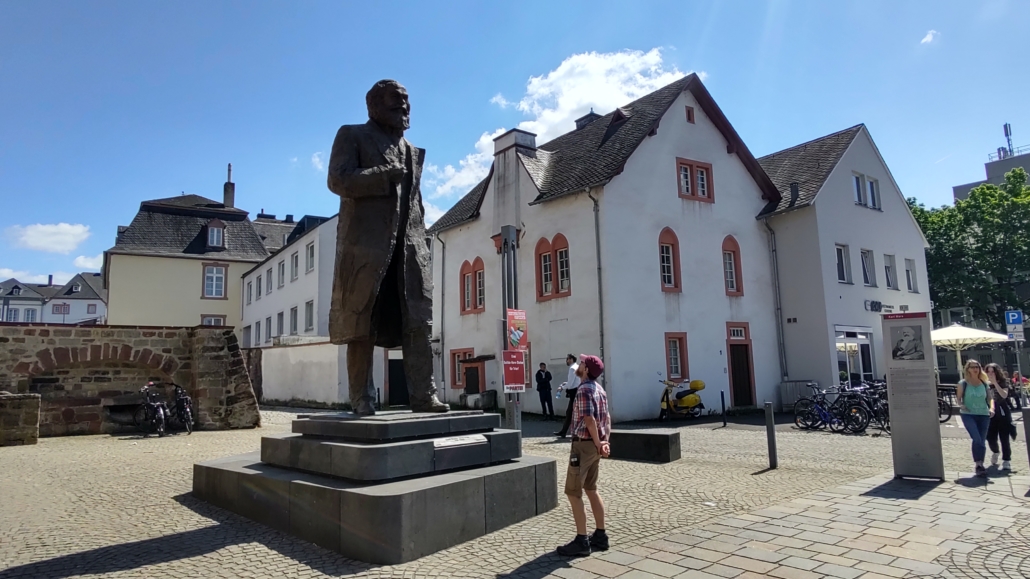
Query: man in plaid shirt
point(591, 425)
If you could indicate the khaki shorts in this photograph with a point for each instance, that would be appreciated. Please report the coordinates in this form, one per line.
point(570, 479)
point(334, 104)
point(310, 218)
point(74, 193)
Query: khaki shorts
point(584, 461)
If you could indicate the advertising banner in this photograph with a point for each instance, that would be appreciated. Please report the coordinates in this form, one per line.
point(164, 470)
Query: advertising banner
point(912, 395)
point(514, 371)
point(518, 335)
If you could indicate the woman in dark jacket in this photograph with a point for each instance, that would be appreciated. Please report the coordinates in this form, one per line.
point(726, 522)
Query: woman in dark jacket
point(1001, 427)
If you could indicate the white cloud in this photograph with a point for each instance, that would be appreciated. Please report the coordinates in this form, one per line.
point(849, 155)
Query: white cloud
point(90, 263)
point(60, 277)
point(432, 213)
point(317, 162)
point(553, 101)
point(499, 100)
point(930, 36)
point(53, 238)
point(293, 161)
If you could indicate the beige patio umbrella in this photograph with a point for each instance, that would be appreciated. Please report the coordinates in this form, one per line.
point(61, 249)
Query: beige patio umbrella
point(958, 338)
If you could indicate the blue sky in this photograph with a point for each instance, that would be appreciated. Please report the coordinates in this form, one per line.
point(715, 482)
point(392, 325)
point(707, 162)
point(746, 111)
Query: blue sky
point(106, 104)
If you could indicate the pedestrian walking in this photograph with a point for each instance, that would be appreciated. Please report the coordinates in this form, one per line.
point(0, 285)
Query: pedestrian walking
point(543, 387)
point(976, 407)
point(569, 386)
point(1001, 427)
point(591, 425)
point(1019, 384)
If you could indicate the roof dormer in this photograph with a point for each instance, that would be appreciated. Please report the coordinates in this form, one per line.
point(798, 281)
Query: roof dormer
point(16, 291)
point(215, 234)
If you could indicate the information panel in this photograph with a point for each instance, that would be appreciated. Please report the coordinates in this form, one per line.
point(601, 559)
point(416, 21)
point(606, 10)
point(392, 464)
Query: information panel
point(912, 393)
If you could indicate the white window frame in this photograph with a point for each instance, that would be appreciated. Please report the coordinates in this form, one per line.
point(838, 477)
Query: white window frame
point(31, 313)
point(685, 182)
point(294, 266)
point(215, 236)
point(257, 333)
point(212, 321)
point(309, 259)
point(842, 262)
point(268, 282)
point(282, 272)
point(268, 329)
point(890, 270)
point(293, 321)
point(667, 267)
point(701, 174)
point(12, 314)
point(868, 268)
point(259, 289)
point(250, 291)
point(309, 315)
point(546, 274)
point(729, 270)
point(564, 270)
point(674, 349)
point(859, 186)
point(280, 322)
point(910, 276)
point(737, 333)
point(480, 289)
point(90, 308)
point(213, 276)
point(873, 193)
point(466, 298)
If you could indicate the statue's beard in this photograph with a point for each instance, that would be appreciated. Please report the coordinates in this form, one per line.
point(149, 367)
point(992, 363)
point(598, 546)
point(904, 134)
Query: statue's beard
point(397, 120)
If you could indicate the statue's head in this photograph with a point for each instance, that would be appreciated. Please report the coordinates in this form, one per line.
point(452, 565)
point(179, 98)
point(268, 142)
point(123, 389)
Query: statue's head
point(388, 105)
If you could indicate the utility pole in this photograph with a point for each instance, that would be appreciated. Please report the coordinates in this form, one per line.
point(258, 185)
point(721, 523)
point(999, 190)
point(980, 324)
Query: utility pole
point(510, 294)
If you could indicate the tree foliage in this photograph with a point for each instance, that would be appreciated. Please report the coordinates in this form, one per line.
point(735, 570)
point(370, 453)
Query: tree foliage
point(979, 254)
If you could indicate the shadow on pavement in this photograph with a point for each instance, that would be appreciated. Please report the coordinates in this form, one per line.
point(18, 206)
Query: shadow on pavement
point(903, 489)
point(185, 545)
point(542, 566)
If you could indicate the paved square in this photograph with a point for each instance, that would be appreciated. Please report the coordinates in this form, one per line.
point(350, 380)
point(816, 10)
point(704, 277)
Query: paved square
point(120, 506)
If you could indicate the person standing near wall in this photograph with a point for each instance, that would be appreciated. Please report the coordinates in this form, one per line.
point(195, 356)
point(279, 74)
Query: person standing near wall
point(543, 387)
point(976, 407)
point(591, 426)
point(569, 387)
point(1001, 423)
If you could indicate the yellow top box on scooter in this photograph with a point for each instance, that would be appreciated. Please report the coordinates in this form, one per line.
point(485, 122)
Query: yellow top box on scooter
point(697, 385)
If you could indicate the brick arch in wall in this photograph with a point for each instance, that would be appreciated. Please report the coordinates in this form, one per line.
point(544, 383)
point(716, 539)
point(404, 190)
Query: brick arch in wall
point(206, 361)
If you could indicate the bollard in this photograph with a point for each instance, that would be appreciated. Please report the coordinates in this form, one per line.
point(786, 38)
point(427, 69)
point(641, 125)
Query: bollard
point(770, 433)
point(722, 396)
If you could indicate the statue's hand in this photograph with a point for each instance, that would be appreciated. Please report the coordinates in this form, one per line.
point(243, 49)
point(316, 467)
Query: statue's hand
point(395, 171)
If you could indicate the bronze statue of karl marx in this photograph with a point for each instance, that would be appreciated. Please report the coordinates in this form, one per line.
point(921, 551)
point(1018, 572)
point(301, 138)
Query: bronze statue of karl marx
point(382, 287)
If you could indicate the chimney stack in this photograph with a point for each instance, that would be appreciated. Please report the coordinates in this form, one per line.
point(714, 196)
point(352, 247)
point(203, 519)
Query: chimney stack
point(289, 218)
point(50, 280)
point(793, 194)
point(229, 191)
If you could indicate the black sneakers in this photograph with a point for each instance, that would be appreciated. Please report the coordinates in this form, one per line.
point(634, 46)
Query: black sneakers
point(579, 547)
point(599, 540)
point(981, 472)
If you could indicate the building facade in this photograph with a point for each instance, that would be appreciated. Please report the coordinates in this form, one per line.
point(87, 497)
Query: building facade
point(289, 293)
point(848, 250)
point(653, 237)
point(180, 263)
point(21, 302)
point(80, 301)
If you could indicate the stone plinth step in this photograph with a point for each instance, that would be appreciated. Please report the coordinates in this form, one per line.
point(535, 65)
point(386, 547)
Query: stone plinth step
point(378, 461)
point(651, 445)
point(382, 523)
point(395, 425)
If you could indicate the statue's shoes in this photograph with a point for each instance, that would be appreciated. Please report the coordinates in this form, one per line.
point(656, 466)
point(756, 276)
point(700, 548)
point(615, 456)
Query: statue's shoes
point(433, 405)
point(365, 409)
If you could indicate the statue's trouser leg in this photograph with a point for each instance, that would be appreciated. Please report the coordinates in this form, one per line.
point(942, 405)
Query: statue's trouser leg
point(359, 375)
point(418, 367)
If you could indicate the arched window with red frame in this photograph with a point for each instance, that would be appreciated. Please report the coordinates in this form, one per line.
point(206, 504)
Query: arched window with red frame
point(731, 274)
point(544, 267)
point(669, 261)
point(472, 287)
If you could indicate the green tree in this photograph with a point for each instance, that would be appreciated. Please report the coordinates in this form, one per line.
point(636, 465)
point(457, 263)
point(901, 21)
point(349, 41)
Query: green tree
point(979, 254)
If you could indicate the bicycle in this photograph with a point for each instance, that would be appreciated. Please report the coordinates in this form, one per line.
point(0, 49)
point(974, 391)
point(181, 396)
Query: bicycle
point(154, 415)
point(841, 415)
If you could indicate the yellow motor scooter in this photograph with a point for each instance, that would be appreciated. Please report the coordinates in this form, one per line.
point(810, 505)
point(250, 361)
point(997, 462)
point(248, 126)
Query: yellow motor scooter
point(681, 399)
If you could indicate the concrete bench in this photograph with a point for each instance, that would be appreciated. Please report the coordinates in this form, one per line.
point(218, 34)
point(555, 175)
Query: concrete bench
point(651, 445)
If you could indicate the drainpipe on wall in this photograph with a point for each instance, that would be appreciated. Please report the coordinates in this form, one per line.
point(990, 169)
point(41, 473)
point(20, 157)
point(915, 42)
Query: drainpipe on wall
point(600, 290)
point(776, 295)
point(444, 358)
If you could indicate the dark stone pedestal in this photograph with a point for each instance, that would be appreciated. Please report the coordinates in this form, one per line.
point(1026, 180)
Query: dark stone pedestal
point(386, 489)
point(655, 445)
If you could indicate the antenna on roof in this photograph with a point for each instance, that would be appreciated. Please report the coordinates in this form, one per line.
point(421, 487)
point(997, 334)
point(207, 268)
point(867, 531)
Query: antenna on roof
point(1008, 137)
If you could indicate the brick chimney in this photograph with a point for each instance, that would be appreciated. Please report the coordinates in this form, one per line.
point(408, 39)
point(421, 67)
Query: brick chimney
point(229, 191)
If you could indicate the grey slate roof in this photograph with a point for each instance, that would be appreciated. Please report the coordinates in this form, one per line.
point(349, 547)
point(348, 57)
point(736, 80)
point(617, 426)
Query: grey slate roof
point(597, 152)
point(272, 232)
point(96, 281)
point(808, 164)
point(28, 291)
point(176, 226)
point(88, 288)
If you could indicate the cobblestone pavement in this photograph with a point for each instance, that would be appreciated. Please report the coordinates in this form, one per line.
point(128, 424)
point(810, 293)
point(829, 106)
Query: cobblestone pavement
point(120, 506)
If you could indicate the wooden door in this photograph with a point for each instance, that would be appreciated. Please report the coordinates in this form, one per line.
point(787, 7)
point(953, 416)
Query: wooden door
point(471, 378)
point(740, 375)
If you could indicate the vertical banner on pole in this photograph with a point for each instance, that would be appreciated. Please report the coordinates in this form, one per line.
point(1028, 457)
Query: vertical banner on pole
point(514, 371)
point(518, 335)
point(912, 395)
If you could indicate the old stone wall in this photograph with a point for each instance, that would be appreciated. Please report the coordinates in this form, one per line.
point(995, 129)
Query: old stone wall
point(19, 419)
point(88, 378)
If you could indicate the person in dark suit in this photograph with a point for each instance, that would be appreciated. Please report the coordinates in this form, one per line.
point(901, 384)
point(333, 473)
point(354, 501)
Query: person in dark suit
point(382, 286)
point(543, 386)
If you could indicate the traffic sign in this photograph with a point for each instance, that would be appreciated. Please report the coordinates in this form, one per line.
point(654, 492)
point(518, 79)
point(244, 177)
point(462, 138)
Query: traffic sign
point(1017, 336)
point(1014, 318)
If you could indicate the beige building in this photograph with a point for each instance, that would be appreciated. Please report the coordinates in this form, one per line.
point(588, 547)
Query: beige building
point(180, 262)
